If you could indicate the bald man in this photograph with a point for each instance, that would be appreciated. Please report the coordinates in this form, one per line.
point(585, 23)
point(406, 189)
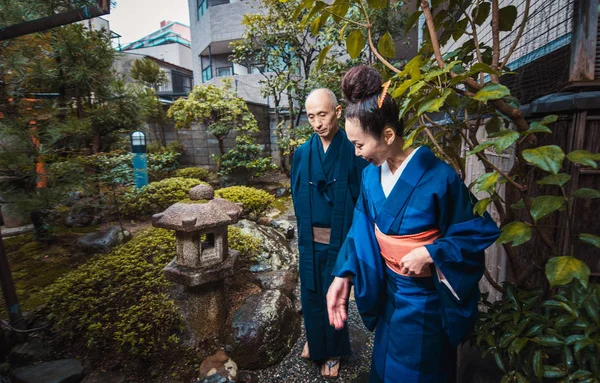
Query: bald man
point(325, 178)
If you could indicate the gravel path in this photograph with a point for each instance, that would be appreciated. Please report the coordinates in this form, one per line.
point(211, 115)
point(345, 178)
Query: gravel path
point(354, 368)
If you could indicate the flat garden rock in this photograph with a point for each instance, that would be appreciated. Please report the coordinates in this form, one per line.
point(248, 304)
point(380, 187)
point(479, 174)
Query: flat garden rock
point(102, 241)
point(59, 371)
point(219, 364)
point(285, 227)
point(276, 251)
point(282, 280)
point(264, 330)
point(34, 350)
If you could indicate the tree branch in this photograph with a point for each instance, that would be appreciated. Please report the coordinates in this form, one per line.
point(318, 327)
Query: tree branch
point(431, 28)
point(492, 282)
point(518, 37)
point(495, 39)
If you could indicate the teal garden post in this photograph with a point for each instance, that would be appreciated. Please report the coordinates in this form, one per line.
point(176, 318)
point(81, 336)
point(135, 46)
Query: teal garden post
point(140, 163)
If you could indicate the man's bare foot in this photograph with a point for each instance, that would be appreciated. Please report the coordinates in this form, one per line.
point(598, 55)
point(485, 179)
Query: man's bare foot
point(331, 368)
point(305, 354)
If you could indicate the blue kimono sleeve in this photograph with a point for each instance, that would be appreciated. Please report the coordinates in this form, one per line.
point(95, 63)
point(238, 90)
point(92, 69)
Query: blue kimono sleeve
point(459, 256)
point(359, 257)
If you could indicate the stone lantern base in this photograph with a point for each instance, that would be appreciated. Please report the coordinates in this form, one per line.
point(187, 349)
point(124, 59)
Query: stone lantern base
point(200, 296)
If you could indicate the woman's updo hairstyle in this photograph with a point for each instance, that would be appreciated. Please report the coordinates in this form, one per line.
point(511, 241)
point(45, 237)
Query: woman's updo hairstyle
point(362, 87)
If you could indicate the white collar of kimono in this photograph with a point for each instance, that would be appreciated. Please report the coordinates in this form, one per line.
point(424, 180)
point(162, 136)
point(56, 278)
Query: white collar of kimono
point(389, 179)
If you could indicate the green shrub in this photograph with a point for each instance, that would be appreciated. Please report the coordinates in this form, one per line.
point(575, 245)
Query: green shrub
point(156, 196)
point(198, 173)
point(551, 340)
point(118, 302)
point(255, 201)
point(248, 246)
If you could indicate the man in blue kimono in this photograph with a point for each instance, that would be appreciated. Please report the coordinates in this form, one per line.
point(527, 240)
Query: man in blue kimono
point(325, 180)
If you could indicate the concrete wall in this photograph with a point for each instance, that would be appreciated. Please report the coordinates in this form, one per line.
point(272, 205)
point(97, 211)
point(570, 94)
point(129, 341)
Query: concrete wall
point(200, 146)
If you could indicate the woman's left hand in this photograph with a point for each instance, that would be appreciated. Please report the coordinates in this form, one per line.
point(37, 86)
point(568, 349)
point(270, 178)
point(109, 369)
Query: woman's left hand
point(415, 262)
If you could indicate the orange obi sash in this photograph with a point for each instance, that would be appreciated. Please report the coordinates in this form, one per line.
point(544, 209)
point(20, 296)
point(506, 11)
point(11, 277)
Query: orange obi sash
point(394, 247)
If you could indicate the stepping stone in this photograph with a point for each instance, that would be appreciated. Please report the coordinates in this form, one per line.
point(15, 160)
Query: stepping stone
point(59, 371)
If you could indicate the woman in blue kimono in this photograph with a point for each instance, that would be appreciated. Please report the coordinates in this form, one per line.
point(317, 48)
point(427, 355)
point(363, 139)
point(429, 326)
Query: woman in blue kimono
point(415, 251)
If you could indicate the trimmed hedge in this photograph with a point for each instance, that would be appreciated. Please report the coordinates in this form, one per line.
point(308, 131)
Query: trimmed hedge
point(197, 173)
point(156, 196)
point(119, 302)
point(248, 246)
point(255, 201)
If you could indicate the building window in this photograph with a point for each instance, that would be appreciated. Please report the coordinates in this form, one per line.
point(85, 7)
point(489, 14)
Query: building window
point(206, 73)
point(202, 7)
point(224, 71)
point(181, 83)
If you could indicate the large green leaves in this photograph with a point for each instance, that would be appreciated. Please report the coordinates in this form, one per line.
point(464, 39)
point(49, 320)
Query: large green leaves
point(555, 179)
point(587, 193)
point(491, 91)
point(481, 12)
point(544, 205)
point(355, 42)
point(507, 16)
point(504, 139)
point(548, 158)
point(562, 270)
point(584, 157)
point(516, 232)
point(590, 239)
point(323, 55)
point(377, 4)
point(339, 9)
point(386, 46)
point(487, 182)
point(434, 103)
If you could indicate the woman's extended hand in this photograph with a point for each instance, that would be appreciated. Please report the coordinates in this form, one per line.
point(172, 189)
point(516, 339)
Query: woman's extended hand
point(337, 302)
point(416, 261)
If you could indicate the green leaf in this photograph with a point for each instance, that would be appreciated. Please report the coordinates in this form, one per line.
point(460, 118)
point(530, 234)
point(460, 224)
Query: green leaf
point(377, 4)
point(323, 55)
point(538, 364)
point(587, 193)
point(315, 25)
point(481, 206)
point(548, 158)
point(516, 232)
point(435, 103)
point(507, 16)
point(555, 179)
point(339, 9)
point(412, 20)
point(584, 157)
point(411, 137)
point(386, 46)
point(487, 182)
point(480, 147)
point(498, 360)
point(399, 91)
point(481, 13)
point(491, 91)
point(562, 270)
point(459, 29)
point(544, 205)
point(317, 8)
point(481, 67)
point(505, 138)
point(590, 239)
point(493, 125)
point(549, 119)
point(355, 42)
point(536, 127)
point(548, 341)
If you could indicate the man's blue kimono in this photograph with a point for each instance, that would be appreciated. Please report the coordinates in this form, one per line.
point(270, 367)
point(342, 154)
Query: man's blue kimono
point(418, 322)
point(325, 187)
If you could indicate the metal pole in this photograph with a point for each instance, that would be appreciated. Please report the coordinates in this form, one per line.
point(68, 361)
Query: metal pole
point(8, 288)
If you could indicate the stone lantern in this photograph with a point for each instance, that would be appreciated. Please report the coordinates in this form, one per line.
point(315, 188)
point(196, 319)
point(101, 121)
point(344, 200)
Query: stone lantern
point(203, 258)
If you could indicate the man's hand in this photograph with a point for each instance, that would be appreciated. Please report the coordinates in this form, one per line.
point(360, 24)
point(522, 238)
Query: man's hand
point(416, 261)
point(337, 302)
